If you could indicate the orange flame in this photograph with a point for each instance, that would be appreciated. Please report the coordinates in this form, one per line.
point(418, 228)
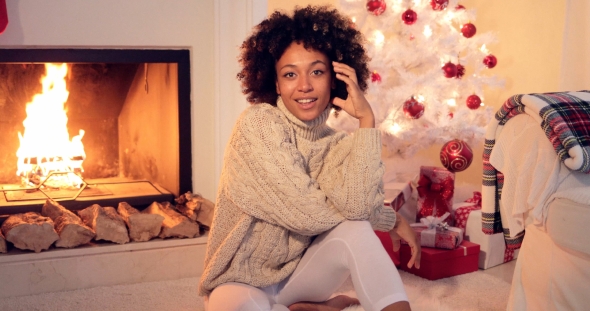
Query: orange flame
point(45, 145)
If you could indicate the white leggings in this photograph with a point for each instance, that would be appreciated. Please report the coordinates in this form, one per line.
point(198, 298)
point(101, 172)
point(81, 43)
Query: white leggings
point(349, 249)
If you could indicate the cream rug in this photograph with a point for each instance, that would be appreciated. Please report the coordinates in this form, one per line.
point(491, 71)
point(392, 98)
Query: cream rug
point(472, 291)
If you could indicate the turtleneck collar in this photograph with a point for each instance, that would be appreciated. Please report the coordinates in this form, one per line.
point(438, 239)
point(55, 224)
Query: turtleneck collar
point(311, 130)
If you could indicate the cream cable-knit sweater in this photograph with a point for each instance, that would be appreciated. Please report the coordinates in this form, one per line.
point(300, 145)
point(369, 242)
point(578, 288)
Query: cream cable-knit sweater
point(284, 181)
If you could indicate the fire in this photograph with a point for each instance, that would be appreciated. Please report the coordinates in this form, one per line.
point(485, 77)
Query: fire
point(45, 145)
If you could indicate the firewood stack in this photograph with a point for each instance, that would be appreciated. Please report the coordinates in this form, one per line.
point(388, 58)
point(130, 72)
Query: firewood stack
point(3, 248)
point(196, 208)
point(175, 224)
point(29, 231)
point(142, 226)
point(32, 231)
point(72, 232)
point(107, 224)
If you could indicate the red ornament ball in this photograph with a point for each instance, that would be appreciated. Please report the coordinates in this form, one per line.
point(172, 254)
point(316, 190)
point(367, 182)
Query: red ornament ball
point(473, 102)
point(375, 77)
point(409, 17)
point(468, 30)
point(490, 61)
point(456, 155)
point(413, 109)
point(439, 5)
point(377, 7)
point(460, 71)
point(450, 70)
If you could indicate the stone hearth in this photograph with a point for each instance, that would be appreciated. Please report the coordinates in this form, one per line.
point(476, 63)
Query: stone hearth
point(101, 264)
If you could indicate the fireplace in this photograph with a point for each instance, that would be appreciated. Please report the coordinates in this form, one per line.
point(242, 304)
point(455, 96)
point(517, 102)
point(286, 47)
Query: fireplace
point(133, 108)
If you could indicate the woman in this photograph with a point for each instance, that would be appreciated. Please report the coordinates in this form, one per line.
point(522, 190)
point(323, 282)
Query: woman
point(297, 201)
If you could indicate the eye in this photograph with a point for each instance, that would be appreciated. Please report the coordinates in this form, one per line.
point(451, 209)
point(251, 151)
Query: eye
point(289, 75)
point(317, 72)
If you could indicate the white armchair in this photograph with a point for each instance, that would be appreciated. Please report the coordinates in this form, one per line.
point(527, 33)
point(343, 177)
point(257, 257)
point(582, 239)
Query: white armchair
point(552, 202)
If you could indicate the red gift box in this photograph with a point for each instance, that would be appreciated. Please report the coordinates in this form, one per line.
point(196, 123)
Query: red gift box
point(398, 196)
point(388, 245)
point(439, 263)
point(435, 192)
point(395, 194)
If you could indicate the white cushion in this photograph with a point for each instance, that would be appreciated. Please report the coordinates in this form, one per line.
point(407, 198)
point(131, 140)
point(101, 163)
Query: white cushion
point(567, 224)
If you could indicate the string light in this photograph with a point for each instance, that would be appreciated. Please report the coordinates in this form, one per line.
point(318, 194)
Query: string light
point(395, 128)
point(449, 16)
point(378, 38)
point(484, 49)
point(427, 31)
point(397, 5)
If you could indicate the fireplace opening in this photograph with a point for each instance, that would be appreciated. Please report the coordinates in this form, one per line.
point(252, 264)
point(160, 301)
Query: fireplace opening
point(123, 132)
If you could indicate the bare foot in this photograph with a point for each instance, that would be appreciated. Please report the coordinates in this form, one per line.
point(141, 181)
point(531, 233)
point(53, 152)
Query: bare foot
point(335, 304)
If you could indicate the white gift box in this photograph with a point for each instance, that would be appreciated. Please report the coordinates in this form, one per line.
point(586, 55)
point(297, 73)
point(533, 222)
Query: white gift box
point(492, 248)
point(398, 195)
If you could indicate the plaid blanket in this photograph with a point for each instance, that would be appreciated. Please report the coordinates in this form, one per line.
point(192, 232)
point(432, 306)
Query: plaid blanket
point(565, 120)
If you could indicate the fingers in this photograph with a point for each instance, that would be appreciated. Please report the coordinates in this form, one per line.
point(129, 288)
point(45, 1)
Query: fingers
point(396, 245)
point(338, 101)
point(416, 256)
point(345, 73)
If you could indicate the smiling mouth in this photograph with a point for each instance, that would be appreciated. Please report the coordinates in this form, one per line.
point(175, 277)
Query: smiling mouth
point(307, 102)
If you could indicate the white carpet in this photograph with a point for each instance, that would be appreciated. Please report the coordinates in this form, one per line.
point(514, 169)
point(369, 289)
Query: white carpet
point(473, 291)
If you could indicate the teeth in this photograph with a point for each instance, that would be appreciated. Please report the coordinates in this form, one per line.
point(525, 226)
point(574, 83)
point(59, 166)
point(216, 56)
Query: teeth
point(305, 101)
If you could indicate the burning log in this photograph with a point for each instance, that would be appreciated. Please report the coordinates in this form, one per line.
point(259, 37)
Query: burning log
point(72, 232)
point(3, 248)
point(29, 231)
point(196, 208)
point(105, 221)
point(142, 226)
point(175, 224)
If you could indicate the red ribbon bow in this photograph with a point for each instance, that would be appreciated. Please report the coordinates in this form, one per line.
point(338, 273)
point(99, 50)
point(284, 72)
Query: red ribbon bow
point(436, 196)
point(475, 199)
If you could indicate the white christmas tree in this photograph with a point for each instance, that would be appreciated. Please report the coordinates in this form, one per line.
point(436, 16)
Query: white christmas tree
point(430, 66)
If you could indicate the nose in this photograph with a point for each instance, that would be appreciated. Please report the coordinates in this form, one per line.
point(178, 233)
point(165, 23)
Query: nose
point(305, 84)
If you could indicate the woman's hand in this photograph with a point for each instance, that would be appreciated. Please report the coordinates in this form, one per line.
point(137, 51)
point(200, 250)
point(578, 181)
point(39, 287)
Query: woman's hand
point(355, 104)
point(402, 230)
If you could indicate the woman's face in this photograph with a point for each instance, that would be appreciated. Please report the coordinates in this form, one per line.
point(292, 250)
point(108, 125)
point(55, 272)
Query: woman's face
point(304, 81)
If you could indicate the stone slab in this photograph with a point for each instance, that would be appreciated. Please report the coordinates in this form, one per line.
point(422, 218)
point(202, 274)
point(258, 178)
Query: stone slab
point(26, 273)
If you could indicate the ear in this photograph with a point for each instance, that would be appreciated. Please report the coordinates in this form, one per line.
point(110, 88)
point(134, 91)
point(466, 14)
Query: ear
point(278, 89)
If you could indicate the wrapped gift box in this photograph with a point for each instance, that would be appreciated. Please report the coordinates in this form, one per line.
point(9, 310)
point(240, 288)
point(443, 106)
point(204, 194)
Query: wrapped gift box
point(399, 197)
point(438, 238)
point(388, 245)
point(493, 249)
point(434, 232)
point(442, 263)
point(435, 189)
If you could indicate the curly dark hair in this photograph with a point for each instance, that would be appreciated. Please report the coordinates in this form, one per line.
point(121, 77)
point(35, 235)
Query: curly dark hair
point(320, 28)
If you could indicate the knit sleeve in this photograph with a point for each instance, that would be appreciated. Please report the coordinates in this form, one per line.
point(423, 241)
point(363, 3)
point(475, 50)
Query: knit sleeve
point(352, 178)
point(266, 177)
